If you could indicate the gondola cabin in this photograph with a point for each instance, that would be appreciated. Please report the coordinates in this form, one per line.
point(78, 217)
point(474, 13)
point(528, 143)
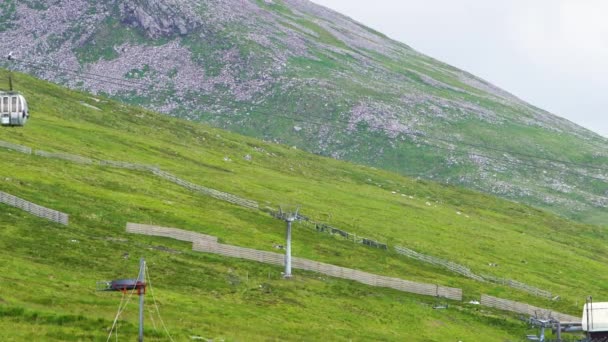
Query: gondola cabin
point(13, 109)
point(595, 320)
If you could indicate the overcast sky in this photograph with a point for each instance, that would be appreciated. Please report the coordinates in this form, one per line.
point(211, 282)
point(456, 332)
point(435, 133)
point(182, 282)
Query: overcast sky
point(551, 53)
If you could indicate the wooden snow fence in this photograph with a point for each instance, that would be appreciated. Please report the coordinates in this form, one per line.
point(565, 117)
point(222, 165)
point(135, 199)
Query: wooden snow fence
point(174, 233)
point(520, 286)
point(526, 309)
point(454, 267)
point(15, 147)
point(34, 209)
point(65, 156)
point(378, 280)
point(128, 166)
point(330, 270)
point(238, 252)
point(223, 196)
point(209, 244)
point(208, 191)
point(465, 271)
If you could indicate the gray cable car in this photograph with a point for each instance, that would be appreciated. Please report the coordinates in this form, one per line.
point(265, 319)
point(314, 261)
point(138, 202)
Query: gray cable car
point(13, 109)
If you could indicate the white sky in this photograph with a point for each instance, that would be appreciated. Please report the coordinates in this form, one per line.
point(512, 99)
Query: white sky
point(551, 53)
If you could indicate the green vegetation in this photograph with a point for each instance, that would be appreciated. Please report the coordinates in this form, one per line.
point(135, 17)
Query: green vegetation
point(109, 35)
point(36, 4)
point(323, 35)
point(138, 73)
point(104, 41)
point(48, 272)
point(207, 58)
point(7, 11)
point(277, 6)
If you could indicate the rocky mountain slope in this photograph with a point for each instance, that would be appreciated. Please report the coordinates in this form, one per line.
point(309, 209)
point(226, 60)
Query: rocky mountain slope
point(295, 72)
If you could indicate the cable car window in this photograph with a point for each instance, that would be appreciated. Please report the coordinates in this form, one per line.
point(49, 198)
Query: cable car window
point(5, 105)
point(19, 105)
point(13, 103)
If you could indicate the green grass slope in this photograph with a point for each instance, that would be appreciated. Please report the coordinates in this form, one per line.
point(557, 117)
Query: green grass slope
point(48, 272)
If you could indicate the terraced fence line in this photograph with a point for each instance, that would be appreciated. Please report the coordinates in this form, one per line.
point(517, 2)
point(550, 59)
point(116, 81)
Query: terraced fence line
point(454, 267)
point(223, 196)
point(378, 280)
point(520, 286)
point(34, 209)
point(65, 156)
point(15, 147)
point(526, 309)
point(209, 244)
point(465, 271)
point(174, 233)
point(330, 270)
point(208, 191)
point(129, 166)
point(238, 252)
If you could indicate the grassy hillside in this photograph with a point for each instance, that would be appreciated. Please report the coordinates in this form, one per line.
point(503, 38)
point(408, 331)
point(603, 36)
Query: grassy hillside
point(48, 272)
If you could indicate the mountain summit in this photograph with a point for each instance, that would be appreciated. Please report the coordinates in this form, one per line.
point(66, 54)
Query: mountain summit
point(294, 72)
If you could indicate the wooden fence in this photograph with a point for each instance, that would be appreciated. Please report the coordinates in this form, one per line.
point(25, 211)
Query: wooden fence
point(34, 209)
point(520, 286)
point(223, 196)
point(129, 166)
point(174, 233)
point(15, 147)
point(465, 271)
point(208, 191)
point(65, 156)
point(209, 244)
point(454, 267)
point(526, 309)
point(330, 270)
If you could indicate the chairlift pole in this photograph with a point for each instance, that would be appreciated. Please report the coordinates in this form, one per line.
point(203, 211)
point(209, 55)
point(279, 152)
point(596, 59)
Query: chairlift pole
point(288, 249)
point(288, 217)
point(141, 291)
